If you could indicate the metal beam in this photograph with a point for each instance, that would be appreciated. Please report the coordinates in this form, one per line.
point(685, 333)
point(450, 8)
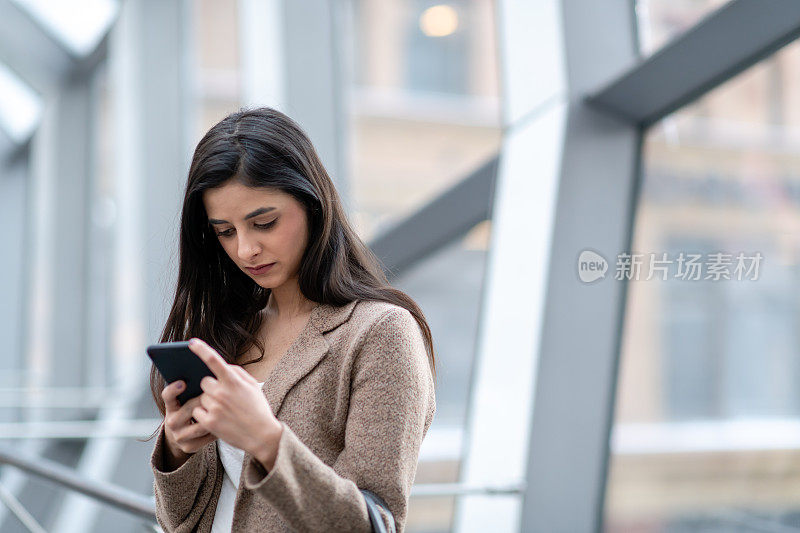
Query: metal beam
point(60, 169)
point(36, 55)
point(437, 490)
point(725, 43)
point(542, 392)
point(515, 279)
point(147, 66)
point(262, 53)
point(13, 199)
point(314, 79)
point(447, 217)
point(578, 352)
point(31, 52)
point(18, 510)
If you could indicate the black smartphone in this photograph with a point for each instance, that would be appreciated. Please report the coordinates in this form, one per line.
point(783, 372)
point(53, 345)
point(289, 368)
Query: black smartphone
point(175, 360)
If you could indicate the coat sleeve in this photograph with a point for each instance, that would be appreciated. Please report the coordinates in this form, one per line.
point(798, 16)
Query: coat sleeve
point(392, 404)
point(181, 494)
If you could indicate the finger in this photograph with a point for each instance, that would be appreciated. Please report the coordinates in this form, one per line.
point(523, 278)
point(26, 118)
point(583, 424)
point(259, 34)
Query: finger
point(185, 412)
point(210, 357)
point(191, 432)
point(202, 441)
point(208, 384)
point(201, 415)
point(170, 395)
point(243, 373)
point(207, 403)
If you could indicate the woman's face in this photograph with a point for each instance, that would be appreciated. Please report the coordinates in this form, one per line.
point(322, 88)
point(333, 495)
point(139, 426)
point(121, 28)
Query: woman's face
point(259, 226)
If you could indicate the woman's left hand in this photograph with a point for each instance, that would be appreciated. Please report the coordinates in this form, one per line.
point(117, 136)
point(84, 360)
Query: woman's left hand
point(233, 408)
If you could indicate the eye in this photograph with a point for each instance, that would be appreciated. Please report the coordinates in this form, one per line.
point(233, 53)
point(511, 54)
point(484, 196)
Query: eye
point(267, 225)
point(229, 232)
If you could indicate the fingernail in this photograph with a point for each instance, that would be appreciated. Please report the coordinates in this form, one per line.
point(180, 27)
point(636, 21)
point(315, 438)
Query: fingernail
point(179, 386)
point(192, 342)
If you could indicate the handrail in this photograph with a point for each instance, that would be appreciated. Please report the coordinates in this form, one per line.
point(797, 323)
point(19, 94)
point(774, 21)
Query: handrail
point(117, 497)
point(78, 429)
point(17, 509)
point(436, 490)
point(144, 507)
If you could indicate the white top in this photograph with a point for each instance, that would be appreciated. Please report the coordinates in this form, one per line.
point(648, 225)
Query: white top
point(232, 459)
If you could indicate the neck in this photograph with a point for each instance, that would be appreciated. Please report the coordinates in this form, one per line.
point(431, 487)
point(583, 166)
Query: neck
point(287, 302)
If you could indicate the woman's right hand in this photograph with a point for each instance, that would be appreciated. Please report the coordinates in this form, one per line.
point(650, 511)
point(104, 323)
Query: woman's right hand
point(184, 437)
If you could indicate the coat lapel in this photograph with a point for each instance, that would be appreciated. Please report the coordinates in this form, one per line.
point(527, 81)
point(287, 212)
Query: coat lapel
point(306, 352)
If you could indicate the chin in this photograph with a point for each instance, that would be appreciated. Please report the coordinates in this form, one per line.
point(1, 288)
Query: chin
point(264, 285)
point(267, 284)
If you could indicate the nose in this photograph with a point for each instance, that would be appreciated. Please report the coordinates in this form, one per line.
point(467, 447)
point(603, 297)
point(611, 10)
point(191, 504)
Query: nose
point(247, 248)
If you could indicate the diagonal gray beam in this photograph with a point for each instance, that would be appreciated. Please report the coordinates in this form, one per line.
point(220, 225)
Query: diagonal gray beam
point(725, 43)
point(18, 510)
point(36, 55)
point(437, 223)
point(28, 50)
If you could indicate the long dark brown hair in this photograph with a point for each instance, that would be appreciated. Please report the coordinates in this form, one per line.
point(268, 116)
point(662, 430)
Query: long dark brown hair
point(214, 299)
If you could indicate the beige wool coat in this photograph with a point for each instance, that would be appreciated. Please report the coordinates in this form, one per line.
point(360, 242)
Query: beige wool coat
point(355, 397)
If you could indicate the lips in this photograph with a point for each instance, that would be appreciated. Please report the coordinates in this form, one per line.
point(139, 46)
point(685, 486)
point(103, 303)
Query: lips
point(260, 269)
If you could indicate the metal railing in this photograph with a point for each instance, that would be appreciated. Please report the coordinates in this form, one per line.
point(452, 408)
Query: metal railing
point(19, 511)
point(117, 497)
point(143, 507)
point(438, 490)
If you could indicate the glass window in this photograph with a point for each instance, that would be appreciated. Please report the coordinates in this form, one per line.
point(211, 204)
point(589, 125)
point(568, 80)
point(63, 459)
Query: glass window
point(437, 48)
point(424, 108)
point(708, 400)
point(216, 63)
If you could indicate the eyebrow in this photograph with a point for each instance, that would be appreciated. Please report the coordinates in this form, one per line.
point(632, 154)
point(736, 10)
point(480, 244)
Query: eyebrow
point(259, 211)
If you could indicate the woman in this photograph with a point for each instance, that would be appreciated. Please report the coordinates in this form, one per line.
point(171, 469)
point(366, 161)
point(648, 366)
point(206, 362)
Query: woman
point(324, 374)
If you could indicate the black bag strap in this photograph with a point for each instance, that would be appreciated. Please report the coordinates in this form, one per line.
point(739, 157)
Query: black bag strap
point(374, 503)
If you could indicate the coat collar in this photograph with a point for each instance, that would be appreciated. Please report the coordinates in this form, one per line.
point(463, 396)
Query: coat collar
point(327, 317)
point(306, 352)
